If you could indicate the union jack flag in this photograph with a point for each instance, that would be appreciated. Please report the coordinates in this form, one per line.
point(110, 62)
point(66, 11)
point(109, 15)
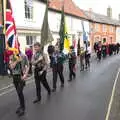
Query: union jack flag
point(11, 35)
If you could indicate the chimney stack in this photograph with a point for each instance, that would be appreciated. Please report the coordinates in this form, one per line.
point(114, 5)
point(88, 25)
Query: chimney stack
point(109, 12)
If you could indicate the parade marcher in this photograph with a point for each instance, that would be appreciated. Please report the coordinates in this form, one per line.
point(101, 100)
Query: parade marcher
point(117, 47)
point(104, 51)
point(7, 53)
point(99, 52)
point(40, 63)
point(29, 53)
point(110, 49)
point(114, 48)
point(95, 46)
point(19, 66)
point(72, 62)
point(82, 58)
point(57, 61)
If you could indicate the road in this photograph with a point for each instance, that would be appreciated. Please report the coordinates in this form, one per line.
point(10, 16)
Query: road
point(86, 98)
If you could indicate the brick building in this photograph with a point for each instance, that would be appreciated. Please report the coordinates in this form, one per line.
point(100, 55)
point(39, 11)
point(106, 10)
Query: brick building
point(102, 28)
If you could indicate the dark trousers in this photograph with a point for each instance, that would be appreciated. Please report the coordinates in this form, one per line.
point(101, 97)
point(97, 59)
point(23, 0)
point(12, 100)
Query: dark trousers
point(38, 80)
point(87, 61)
point(57, 70)
point(30, 68)
point(71, 71)
point(82, 63)
point(104, 53)
point(18, 83)
point(99, 55)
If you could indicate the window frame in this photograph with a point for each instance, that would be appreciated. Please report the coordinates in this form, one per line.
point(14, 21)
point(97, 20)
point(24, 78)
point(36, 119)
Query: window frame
point(28, 11)
point(30, 39)
point(104, 28)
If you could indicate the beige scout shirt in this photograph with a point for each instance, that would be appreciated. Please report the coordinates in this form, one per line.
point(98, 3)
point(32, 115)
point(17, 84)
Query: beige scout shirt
point(40, 60)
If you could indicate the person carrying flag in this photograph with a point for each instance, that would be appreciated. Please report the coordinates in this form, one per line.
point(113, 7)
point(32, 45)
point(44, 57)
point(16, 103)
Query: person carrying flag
point(19, 67)
point(72, 62)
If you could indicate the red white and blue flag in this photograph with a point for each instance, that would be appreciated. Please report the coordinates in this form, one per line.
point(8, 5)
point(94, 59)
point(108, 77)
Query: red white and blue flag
point(11, 35)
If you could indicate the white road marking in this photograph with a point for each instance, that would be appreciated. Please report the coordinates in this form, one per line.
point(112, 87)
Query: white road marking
point(112, 96)
point(6, 92)
point(10, 85)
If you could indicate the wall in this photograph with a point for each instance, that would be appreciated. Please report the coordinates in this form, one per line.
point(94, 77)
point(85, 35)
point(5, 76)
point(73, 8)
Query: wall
point(98, 34)
point(118, 34)
point(73, 26)
point(33, 27)
point(19, 14)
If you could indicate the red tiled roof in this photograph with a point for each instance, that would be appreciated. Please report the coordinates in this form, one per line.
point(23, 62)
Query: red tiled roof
point(69, 7)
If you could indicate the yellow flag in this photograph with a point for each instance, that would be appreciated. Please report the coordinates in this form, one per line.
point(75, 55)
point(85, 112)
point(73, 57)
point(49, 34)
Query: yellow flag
point(66, 39)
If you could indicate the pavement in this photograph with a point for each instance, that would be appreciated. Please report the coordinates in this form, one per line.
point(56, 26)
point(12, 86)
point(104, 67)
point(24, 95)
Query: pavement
point(115, 107)
point(5, 81)
point(86, 98)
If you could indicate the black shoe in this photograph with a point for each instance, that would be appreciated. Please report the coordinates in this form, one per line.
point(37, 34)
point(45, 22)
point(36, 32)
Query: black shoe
point(54, 90)
point(49, 93)
point(21, 112)
point(70, 80)
point(36, 101)
point(74, 76)
point(18, 110)
point(62, 85)
point(86, 68)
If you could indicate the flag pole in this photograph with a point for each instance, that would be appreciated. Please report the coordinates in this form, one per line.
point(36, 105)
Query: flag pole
point(4, 16)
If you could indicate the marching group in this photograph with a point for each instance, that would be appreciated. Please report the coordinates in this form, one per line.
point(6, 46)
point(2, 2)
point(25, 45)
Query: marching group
point(21, 65)
point(102, 50)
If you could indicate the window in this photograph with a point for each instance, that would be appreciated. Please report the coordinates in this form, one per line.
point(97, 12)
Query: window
point(104, 28)
point(30, 40)
point(104, 40)
point(28, 9)
point(96, 27)
point(111, 29)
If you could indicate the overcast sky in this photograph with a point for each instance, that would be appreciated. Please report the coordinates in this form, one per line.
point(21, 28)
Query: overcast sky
point(100, 6)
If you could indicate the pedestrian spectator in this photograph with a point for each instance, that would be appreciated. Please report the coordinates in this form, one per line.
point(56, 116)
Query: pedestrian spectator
point(72, 62)
point(40, 63)
point(19, 67)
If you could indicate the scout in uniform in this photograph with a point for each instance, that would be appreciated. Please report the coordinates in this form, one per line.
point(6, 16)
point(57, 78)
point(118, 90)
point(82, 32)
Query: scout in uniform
point(40, 63)
point(72, 62)
point(19, 67)
point(57, 60)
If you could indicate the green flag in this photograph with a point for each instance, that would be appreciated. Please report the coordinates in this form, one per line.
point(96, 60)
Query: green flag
point(62, 30)
point(78, 47)
point(46, 35)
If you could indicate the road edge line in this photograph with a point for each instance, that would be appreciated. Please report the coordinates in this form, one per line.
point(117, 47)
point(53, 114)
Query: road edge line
point(112, 96)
